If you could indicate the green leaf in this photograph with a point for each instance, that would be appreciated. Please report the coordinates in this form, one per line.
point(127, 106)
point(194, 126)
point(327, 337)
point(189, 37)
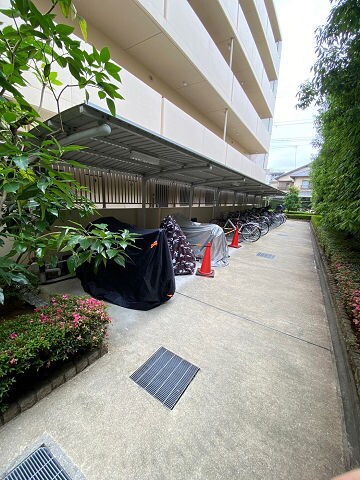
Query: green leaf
point(1, 296)
point(11, 187)
point(111, 253)
point(83, 27)
point(101, 94)
point(85, 242)
point(21, 162)
point(43, 183)
point(47, 70)
point(111, 106)
point(105, 55)
point(54, 80)
point(8, 69)
point(19, 278)
point(120, 261)
point(9, 117)
point(113, 70)
point(64, 30)
point(39, 252)
point(53, 212)
point(72, 263)
point(65, 7)
point(98, 261)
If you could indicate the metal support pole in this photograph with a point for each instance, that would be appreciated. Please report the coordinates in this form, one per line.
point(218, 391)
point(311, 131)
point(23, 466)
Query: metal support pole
point(103, 189)
point(191, 198)
point(231, 52)
point(225, 124)
point(143, 201)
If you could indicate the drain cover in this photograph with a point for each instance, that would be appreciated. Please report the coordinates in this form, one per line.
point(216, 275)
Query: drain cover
point(40, 465)
point(265, 255)
point(165, 376)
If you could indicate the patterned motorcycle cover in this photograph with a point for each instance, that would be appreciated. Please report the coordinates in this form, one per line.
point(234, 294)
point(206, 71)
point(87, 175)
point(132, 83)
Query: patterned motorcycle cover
point(183, 258)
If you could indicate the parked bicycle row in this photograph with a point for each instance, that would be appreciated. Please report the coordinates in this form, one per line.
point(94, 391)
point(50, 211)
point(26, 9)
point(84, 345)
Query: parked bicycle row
point(251, 224)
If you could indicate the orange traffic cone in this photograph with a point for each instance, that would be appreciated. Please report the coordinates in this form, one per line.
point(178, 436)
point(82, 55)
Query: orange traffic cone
point(205, 269)
point(235, 240)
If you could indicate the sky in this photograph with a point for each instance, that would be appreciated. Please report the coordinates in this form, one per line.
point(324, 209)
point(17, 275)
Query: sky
point(293, 129)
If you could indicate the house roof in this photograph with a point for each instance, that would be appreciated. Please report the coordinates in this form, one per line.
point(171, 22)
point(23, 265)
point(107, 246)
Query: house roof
point(114, 143)
point(294, 173)
point(302, 173)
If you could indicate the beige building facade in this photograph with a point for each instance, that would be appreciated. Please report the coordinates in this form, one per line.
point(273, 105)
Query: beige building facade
point(201, 74)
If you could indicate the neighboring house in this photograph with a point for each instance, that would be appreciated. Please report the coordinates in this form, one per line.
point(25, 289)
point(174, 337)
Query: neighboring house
point(199, 82)
point(299, 177)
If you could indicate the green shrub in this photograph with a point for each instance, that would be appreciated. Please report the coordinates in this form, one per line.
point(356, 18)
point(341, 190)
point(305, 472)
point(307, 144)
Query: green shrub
point(35, 342)
point(343, 255)
point(316, 220)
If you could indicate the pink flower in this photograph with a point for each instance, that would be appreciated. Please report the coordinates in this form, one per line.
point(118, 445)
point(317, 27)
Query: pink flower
point(13, 361)
point(13, 335)
point(43, 318)
point(65, 297)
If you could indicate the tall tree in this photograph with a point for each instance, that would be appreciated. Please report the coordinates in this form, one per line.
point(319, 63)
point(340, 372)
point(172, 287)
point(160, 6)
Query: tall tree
point(33, 194)
point(335, 88)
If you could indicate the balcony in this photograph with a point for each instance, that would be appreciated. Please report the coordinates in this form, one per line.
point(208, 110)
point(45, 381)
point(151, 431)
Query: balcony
point(269, 49)
point(170, 50)
point(227, 26)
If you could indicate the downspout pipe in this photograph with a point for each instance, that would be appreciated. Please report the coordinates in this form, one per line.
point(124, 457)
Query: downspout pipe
point(102, 130)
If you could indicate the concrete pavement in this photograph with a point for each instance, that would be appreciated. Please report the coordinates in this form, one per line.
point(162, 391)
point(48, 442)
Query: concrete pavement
point(265, 404)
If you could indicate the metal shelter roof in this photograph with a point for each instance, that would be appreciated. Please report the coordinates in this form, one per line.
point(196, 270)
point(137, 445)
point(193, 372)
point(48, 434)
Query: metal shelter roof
point(114, 143)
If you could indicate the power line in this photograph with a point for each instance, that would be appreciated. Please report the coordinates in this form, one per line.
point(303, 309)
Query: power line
point(294, 122)
point(291, 139)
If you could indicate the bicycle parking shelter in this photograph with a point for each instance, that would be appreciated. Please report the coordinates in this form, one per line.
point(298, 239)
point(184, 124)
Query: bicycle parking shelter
point(113, 144)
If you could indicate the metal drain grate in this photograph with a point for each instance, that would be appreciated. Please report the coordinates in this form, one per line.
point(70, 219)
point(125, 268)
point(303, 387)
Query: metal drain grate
point(270, 256)
point(165, 376)
point(40, 465)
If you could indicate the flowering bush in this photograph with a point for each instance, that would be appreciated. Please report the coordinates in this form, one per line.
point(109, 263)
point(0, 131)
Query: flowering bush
point(344, 258)
point(49, 336)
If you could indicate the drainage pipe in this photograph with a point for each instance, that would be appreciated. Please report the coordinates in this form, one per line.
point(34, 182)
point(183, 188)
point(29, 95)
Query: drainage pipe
point(100, 131)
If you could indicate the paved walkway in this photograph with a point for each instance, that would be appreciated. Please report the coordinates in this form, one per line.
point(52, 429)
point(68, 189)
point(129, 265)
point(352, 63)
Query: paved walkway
point(265, 404)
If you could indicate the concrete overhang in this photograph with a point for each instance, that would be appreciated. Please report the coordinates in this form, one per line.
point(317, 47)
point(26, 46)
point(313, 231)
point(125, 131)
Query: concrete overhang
point(115, 144)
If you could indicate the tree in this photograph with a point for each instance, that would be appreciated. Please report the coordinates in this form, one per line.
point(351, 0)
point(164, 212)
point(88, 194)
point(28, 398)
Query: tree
point(33, 194)
point(335, 88)
point(292, 199)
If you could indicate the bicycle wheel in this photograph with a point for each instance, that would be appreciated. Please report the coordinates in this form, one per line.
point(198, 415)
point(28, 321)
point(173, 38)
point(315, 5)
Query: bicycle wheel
point(250, 232)
point(264, 227)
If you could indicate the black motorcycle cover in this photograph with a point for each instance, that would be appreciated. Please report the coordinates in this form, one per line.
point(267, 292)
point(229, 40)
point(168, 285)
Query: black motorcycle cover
point(146, 281)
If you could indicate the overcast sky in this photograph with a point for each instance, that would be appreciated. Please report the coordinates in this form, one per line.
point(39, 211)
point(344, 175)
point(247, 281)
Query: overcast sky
point(293, 129)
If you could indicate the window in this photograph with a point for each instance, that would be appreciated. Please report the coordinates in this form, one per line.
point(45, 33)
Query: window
point(305, 184)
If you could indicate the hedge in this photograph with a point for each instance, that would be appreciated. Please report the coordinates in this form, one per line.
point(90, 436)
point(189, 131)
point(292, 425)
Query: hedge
point(33, 343)
point(299, 216)
point(343, 255)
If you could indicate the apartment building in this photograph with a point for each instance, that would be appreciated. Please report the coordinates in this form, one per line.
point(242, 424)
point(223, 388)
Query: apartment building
point(199, 82)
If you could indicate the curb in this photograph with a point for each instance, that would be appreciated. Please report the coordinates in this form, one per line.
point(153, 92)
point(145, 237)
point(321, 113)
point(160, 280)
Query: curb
point(342, 338)
point(59, 377)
